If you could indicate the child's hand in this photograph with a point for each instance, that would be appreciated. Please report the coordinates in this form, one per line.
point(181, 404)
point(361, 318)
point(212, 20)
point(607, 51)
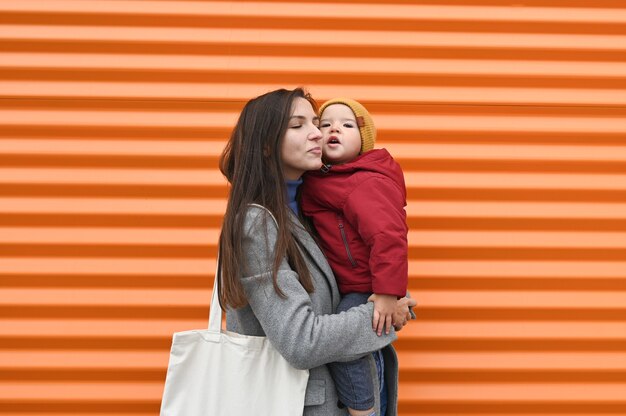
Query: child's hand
point(384, 307)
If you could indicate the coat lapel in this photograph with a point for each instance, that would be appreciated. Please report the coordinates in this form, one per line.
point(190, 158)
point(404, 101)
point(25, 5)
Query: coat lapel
point(313, 251)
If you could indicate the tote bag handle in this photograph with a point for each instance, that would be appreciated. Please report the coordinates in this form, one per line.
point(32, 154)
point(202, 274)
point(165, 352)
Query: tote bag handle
point(215, 310)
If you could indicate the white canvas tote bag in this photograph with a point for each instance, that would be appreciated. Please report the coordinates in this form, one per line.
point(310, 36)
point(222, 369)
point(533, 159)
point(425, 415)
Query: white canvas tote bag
point(213, 372)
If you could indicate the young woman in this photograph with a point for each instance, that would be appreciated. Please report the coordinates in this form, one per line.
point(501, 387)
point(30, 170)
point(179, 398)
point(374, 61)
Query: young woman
point(275, 280)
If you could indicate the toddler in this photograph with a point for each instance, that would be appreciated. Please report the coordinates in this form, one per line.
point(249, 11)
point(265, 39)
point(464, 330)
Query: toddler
point(356, 202)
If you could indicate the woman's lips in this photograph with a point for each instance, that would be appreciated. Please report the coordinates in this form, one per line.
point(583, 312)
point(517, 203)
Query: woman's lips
point(316, 151)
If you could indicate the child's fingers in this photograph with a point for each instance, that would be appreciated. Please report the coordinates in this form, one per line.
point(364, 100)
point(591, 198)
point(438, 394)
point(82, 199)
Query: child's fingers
point(388, 324)
point(381, 325)
point(375, 320)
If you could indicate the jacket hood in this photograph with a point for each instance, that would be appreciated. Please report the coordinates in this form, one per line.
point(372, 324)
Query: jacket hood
point(375, 161)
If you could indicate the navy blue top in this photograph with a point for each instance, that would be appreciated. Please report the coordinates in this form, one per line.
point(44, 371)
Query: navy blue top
point(292, 188)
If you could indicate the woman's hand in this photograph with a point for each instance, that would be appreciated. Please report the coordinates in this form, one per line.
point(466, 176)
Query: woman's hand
point(401, 314)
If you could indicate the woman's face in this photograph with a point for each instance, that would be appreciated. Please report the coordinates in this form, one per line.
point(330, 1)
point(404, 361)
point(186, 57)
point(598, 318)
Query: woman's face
point(300, 147)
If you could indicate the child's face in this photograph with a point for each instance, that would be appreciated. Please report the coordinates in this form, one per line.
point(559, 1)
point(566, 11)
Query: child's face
point(341, 138)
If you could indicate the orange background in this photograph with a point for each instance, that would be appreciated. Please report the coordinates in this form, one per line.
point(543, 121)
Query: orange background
point(507, 117)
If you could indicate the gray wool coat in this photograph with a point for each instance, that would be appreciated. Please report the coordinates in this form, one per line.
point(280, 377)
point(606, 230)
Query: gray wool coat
point(303, 326)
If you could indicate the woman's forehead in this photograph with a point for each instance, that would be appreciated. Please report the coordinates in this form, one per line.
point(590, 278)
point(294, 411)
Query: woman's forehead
point(301, 107)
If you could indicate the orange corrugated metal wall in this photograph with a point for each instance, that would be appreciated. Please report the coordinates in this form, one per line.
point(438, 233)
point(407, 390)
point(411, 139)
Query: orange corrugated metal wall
point(507, 117)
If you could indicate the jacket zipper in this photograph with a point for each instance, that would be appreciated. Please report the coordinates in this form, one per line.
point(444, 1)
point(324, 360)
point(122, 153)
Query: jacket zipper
point(345, 243)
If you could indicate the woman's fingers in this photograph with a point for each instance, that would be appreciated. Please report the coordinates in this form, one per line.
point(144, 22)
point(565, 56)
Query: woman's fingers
point(403, 315)
point(399, 325)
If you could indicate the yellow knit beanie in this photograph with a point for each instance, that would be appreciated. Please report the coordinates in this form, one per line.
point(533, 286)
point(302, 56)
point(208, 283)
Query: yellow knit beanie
point(363, 120)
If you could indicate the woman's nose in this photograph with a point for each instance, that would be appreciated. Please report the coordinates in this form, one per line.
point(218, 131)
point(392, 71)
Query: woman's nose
point(315, 134)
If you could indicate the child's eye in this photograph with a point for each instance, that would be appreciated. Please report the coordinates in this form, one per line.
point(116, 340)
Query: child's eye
point(324, 125)
point(348, 125)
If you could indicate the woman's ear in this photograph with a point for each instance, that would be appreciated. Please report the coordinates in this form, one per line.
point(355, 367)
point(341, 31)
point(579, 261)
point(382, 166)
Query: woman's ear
point(267, 152)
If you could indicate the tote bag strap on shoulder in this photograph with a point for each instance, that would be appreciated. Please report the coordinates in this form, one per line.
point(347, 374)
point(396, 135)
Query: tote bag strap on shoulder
point(215, 310)
point(215, 314)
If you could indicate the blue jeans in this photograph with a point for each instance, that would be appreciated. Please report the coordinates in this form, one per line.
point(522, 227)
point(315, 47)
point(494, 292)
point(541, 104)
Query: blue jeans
point(380, 368)
point(353, 381)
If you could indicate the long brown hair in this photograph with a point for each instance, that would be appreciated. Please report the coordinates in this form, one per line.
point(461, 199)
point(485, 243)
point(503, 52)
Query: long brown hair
point(252, 163)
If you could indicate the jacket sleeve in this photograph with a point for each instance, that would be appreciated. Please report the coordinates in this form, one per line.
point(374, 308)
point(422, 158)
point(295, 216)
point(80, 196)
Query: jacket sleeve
point(304, 338)
point(375, 209)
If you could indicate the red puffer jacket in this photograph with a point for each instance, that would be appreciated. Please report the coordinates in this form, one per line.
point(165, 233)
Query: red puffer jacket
point(358, 211)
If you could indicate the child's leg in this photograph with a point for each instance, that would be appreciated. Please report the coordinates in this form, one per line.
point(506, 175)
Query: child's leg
point(380, 367)
point(353, 380)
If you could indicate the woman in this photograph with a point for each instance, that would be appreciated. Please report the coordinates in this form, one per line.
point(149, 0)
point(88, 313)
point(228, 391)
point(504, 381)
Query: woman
point(275, 280)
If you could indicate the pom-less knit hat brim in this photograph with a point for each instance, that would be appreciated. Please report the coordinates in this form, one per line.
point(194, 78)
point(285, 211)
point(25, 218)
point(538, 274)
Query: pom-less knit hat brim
point(363, 118)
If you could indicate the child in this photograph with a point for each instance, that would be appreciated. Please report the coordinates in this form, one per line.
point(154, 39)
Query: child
point(357, 205)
